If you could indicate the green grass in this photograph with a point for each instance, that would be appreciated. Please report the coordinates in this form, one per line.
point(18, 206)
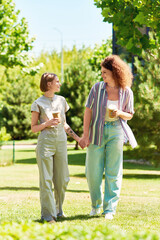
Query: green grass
point(138, 208)
point(6, 157)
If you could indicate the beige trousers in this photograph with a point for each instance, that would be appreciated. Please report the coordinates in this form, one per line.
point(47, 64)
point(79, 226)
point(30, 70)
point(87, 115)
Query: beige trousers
point(51, 153)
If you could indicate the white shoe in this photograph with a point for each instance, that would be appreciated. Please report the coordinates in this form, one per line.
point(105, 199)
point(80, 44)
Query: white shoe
point(95, 211)
point(61, 215)
point(109, 216)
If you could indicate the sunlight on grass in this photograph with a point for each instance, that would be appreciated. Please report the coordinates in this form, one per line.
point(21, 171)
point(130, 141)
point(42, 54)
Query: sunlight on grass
point(138, 208)
point(6, 157)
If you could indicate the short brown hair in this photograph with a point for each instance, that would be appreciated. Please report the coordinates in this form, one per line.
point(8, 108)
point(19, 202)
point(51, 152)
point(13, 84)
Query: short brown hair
point(121, 71)
point(46, 77)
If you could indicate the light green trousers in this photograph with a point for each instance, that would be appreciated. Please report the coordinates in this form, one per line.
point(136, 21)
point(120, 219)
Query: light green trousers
point(51, 153)
point(106, 158)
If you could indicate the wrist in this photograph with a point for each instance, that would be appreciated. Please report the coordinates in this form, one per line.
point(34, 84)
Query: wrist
point(86, 137)
point(44, 124)
point(86, 134)
point(78, 139)
point(120, 113)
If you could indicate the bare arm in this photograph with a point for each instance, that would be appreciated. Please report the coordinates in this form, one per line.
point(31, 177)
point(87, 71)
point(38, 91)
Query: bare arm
point(70, 132)
point(35, 127)
point(86, 123)
point(123, 115)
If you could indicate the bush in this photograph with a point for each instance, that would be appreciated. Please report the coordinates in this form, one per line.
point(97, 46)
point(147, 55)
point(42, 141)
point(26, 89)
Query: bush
point(4, 136)
point(30, 230)
point(146, 121)
point(16, 113)
point(78, 80)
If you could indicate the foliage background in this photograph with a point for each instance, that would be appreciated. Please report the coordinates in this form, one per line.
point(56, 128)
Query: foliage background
point(20, 73)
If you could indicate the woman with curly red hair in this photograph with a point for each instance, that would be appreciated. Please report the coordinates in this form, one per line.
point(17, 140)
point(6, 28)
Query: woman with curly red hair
point(108, 107)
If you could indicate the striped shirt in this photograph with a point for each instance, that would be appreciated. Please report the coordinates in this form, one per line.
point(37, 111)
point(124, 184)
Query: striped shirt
point(97, 101)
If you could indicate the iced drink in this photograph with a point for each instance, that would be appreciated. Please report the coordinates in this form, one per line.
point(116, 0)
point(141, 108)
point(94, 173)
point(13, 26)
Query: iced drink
point(56, 114)
point(111, 109)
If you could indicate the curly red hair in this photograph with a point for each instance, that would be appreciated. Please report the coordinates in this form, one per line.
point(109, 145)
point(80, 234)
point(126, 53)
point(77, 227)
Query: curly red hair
point(121, 71)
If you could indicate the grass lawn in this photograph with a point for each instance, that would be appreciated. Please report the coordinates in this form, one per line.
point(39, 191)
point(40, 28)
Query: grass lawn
point(138, 208)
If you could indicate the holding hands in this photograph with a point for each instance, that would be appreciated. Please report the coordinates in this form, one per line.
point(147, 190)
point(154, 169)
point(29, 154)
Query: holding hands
point(84, 142)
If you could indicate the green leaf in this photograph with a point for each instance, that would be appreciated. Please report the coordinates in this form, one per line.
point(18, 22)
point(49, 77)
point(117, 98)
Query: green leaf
point(141, 18)
point(105, 12)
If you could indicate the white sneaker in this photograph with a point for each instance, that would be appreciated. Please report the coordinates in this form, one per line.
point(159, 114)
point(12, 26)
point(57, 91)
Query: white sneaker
point(95, 211)
point(61, 215)
point(109, 216)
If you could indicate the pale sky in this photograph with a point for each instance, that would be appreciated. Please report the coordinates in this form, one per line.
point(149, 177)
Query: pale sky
point(79, 21)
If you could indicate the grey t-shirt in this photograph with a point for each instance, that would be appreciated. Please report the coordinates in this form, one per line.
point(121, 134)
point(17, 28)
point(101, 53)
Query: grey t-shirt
point(46, 105)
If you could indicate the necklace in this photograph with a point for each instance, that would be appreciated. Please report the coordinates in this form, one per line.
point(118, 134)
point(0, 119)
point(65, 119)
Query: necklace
point(115, 87)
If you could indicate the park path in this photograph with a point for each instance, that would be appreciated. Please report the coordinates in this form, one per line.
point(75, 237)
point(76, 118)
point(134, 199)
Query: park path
point(22, 146)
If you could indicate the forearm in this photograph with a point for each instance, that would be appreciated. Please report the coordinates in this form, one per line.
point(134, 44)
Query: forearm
point(84, 142)
point(38, 127)
point(87, 121)
point(35, 127)
point(124, 115)
point(71, 133)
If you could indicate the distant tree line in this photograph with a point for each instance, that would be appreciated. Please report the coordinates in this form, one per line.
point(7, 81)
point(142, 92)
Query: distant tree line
point(20, 75)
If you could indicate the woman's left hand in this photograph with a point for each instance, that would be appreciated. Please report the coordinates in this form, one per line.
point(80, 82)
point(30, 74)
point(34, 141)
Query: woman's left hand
point(117, 113)
point(123, 115)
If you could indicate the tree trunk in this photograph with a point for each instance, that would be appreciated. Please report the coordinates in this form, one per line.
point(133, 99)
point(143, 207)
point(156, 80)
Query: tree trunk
point(76, 146)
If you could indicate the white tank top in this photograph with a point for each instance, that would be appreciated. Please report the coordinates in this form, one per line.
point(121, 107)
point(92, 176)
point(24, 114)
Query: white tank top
point(107, 118)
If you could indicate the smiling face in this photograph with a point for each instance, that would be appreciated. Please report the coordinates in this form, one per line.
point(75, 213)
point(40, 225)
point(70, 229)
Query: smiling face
point(54, 85)
point(107, 76)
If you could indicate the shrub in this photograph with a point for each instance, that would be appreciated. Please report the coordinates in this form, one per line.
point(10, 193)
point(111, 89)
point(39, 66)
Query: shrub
point(30, 230)
point(146, 121)
point(4, 136)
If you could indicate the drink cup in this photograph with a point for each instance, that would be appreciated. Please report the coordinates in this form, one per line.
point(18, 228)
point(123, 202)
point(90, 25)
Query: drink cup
point(56, 114)
point(111, 109)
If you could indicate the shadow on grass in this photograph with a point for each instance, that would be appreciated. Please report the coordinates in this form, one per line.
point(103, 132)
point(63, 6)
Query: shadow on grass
point(19, 188)
point(77, 191)
point(141, 176)
point(131, 165)
point(73, 159)
point(25, 150)
point(27, 161)
point(77, 158)
point(128, 176)
point(37, 189)
point(71, 218)
point(77, 217)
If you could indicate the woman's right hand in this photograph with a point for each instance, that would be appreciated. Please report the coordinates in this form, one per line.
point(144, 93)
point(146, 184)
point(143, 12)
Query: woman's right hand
point(84, 142)
point(52, 122)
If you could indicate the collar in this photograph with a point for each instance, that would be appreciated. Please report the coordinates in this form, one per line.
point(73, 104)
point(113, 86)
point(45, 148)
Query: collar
point(103, 86)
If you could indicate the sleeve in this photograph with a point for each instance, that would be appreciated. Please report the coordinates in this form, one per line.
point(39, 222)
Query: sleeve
point(129, 107)
point(34, 107)
point(90, 99)
point(66, 106)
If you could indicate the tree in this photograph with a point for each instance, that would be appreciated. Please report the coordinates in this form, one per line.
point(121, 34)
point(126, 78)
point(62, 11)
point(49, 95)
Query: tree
point(80, 75)
point(146, 121)
point(99, 53)
point(19, 93)
point(78, 80)
point(14, 36)
point(128, 18)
